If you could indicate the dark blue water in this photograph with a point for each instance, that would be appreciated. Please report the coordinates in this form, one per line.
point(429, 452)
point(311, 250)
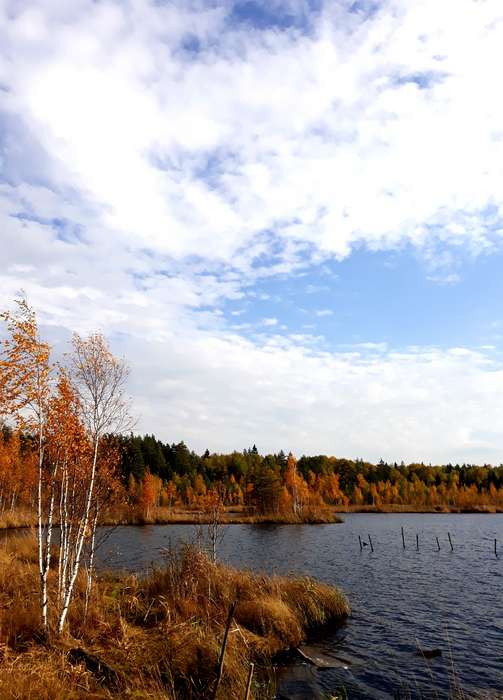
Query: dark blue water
point(400, 599)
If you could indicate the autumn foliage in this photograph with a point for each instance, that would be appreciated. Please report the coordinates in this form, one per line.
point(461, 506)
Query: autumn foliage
point(56, 460)
point(155, 636)
point(146, 477)
point(280, 485)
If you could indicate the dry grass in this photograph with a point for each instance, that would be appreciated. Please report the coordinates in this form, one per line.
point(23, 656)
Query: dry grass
point(408, 508)
point(17, 518)
point(232, 515)
point(155, 637)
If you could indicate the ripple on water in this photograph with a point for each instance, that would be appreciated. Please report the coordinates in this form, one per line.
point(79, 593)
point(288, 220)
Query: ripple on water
point(444, 599)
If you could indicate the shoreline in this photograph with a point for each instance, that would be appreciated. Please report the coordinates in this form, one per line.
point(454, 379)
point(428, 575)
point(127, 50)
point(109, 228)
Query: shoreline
point(160, 636)
point(431, 510)
point(180, 516)
point(333, 515)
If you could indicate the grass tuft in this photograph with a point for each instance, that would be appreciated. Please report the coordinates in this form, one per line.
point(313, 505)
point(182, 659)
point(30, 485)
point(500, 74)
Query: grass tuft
point(158, 636)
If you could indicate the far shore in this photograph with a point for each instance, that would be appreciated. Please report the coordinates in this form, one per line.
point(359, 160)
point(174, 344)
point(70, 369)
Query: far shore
point(239, 515)
point(399, 508)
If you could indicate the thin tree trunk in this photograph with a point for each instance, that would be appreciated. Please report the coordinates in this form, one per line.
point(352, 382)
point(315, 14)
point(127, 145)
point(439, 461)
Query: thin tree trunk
point(62, 530)
point(40, 527)
point(90, 568)
point(69, 521)
point(48, 542)
point(79, 542)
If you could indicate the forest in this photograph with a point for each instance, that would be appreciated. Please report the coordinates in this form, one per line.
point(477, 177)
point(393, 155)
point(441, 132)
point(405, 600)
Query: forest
point(173, 473)
point(149, 474)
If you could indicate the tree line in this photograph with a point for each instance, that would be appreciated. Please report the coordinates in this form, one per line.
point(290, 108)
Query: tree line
point(149, 473)
point(174, 474)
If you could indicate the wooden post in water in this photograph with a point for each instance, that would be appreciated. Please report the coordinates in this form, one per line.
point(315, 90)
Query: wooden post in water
point(450, 541)
point(417, 542)
point(360, 541)
point(222, 652)
point(438, 544)
point(495, 547)
point(403, 539)
point(249, 684)
point(371, 545)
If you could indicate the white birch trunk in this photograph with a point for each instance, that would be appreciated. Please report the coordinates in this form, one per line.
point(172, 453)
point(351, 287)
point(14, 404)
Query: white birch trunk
point(62, 530)
point(90, 568)
point(40, 533)
point(79, 544)
point(47, 558)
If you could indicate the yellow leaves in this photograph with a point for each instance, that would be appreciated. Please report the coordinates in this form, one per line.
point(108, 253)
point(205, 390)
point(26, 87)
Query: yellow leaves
point(24, 364)
point(53, 408)
point(150, 490)
point(66, 439)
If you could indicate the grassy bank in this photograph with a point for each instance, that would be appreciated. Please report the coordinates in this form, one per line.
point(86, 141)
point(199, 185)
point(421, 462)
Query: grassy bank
point(233, 515)
point(240, 515)
point(404, 508)
point(12, 519)
point(158, 636)
point(179, 516)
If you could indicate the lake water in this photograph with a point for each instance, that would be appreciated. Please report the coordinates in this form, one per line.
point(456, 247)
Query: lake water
point(452, 600)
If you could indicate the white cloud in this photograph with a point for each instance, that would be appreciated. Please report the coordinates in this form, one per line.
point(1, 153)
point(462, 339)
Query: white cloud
point(449, 278)
point(323, 312)
point(417, 405)
point(144, 184)
point(378, 347)
point(380, 131)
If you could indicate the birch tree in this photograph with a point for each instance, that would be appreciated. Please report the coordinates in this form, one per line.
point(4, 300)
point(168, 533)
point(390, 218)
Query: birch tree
point(108, 490)
point(99, 379)
point(25, 388)
point(69, 418)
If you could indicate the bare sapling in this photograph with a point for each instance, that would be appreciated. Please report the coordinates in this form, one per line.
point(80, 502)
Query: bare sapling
point(294, 483)
point(213, 514)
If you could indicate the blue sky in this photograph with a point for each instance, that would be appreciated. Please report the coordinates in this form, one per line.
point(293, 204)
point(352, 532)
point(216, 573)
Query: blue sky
point(383, 297)
point(287, 215)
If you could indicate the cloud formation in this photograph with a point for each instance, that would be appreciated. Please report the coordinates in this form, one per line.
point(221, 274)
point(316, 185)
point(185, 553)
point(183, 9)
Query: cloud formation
point(158, 159)
point(224, 392)
point(186, 133)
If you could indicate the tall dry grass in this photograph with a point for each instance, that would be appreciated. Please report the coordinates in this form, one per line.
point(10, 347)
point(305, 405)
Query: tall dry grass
point(158, 636)
point(232, 515)
point(17, 518)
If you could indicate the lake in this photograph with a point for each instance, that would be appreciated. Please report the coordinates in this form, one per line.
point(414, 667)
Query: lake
point(444, 599)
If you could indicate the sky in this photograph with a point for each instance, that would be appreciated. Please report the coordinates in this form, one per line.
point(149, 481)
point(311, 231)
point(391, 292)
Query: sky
point(287, 216)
